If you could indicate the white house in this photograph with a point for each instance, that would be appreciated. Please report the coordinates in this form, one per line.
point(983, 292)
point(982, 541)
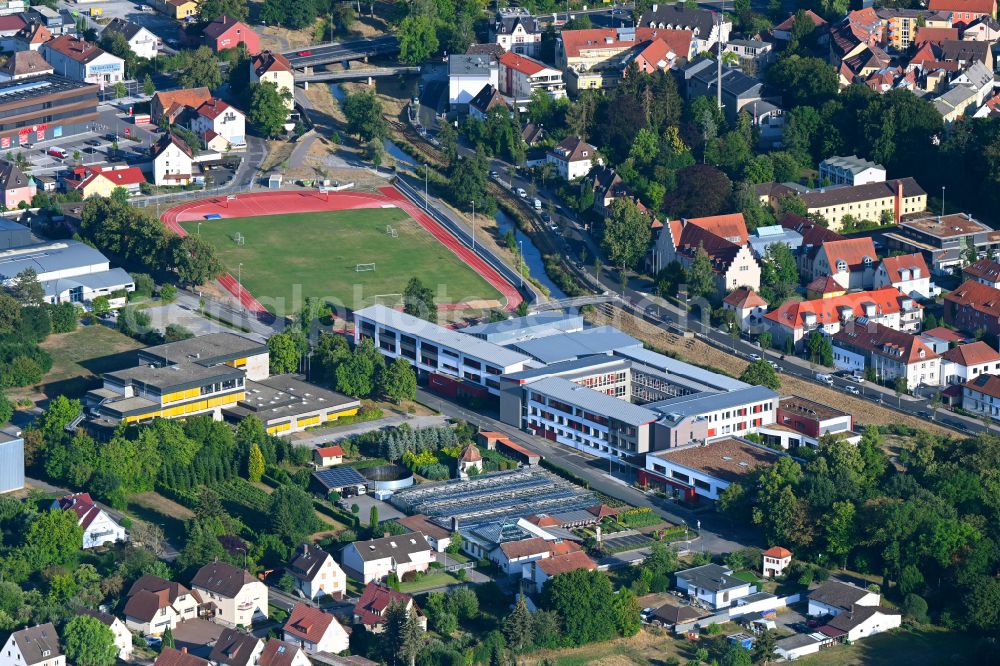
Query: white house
point(908, 273)
point(236, 648)
point(748, 306)
point(33, 646)
point(80, 60)
point(238, 597)
point(713, 585)
point(123, 637)
point(467, 74)
point(316, 572)
point(375, 559)
point(216, 118)
point(315, 631)
point(850, 261)
point(776, 560)
point(328, 456)
point(520, 76)
point(513, 555)
point(965, 362)
point(516, 30)
point(173, 161)
point(142, 42)
point(862, 344)
point(860, 622)
point(272, 67)
point(942, 339)
point(851, 170)
point(981, 396)
point(98, 527)
point(539, 571)
point(572, 157)
point(834, 597)
point(155, 605)
point(280, 653)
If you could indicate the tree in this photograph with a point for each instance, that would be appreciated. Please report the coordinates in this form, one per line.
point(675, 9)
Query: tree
point(839, 528)
point(202, 70)
point(54, 537)
point(700, 276)
point(517, 627)
point(194, 259)
point(267, 108)
point(6, 408)
point(284, 353)
point(626, 234)
point(900, 387)
point(148, 88)
point(255, 464)
point(417, 39)
point(779, 273)
point(27, 290)
point(584, 601)
point(209, 10)
point(418, 301)
point(805, 81)
point(363, 110)
point(399, 382)
point(735, 655)
point(701, 191)
point(915, 608)
point(373, 519)
point(763, 648)
point(291, 512)
point(89, 642)
point(168, 638)
point(10, 313)
point(760, 373)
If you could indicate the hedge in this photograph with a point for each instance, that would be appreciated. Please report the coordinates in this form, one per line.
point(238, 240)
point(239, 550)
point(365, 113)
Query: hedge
point(565, 473)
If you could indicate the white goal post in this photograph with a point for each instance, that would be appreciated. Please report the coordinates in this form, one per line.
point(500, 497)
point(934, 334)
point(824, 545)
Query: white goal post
point(362, 268)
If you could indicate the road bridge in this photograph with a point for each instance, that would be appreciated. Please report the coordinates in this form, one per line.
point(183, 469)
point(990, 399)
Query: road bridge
point(325, 54)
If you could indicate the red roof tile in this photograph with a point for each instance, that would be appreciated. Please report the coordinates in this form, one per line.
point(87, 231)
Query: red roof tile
point(985, 269)
point(607, 39)
point(972, 6)
point(912, 262)
point(935, 35)
point(792, 314)
point(981, 297)
point(561, 564)
point(374, 600)
point(744, 297)
point(778, 552)
point(984, 383)
point(790, 21)
point(524, 64)
point(883, 341)
point(330, 451)
point(974, 353)
point(946, 334)
point(308, 623)
point(853, 251)
point(824, 284)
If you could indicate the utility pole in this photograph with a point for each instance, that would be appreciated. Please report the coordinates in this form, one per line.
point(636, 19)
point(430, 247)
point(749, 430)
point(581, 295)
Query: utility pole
point(473, 225)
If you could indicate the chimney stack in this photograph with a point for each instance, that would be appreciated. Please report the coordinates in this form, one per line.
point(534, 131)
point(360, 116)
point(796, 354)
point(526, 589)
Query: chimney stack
point(184, 650)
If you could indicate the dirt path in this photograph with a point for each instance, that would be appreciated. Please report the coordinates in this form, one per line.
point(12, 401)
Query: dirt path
point(696, 351)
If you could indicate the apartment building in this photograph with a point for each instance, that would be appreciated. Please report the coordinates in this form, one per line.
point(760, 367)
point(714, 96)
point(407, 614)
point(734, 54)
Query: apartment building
point(944, 239)
point(973, 306)
point(902, 26)
point(272, 67)
point(520, 76)
point(851, 262)
point(985, 271)
point(861, 344)
point(517, 31)
point(908, 273)
point(862, 202)
point(851, 170)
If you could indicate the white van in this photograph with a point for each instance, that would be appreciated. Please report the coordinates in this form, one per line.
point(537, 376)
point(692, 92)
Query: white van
point(826, 379)
point(521, 193)
point(538, 204)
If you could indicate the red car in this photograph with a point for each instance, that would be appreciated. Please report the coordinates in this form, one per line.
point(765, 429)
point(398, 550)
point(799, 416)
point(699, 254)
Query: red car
point(305, 53)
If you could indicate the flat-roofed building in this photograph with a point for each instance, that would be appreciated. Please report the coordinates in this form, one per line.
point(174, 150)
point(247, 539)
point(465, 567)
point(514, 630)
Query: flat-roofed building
point(286, 404)
point(705, 470)
point(44, 107)
point(800, 421)
point(851, 170)
point(223, 348)
point(514, 330)
point(944, 239)
point(898, 198)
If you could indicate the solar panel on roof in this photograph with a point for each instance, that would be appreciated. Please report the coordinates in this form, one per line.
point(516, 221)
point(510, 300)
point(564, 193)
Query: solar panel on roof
point(24, 87)
point(339, 476)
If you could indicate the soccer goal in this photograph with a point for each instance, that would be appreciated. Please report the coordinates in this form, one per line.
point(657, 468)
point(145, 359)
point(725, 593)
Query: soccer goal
point(391, 231)
point(239, 238)
point(364, 268)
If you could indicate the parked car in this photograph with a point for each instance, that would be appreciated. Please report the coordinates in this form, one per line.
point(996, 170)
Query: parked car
point(305, 53)
point(647, 614)
point(853, 390)
point(825, 378)
point(494, 174)
point(521, 193)
point(538, 204)
point(56, 151)
point(754, 357)
point(545, 217)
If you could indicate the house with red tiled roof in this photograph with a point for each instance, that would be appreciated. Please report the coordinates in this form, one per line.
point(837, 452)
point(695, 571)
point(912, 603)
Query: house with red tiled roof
point(520, 76)
point(964, 362)
point(168, 105)
point(824, 286)
point(100, 181)
point(540, 571)
point(859, 31)
point(373, 603)
point(748, 306)
point(173, 161)
point(813, 237)
point(908, 273)
point(214, 116)
point(173, 657)
point(981, 396)
point(985, 271)
point(280, 653)
point(973, 306)
point(273, 67)
point(851, 262)
point(783, 31)
point(328, 456)
point(861, 344)
point(31, 36)
point(722, 237)
point(964, 12)
point(315, 631)
point(796, 319)
point(227, 33)
point(99, 528)
point(941, 339)
point(511, 556)
point(775, 561)
point(598, 57)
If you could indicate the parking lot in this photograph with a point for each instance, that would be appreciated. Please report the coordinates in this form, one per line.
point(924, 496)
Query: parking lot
point(162, 26)
point(627, 542)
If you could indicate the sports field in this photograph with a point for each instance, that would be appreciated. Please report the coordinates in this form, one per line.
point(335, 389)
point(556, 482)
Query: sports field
point(287, 258)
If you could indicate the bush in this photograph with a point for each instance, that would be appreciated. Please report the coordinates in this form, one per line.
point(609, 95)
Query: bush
point(144, 286)
point(916, 608)
point(168, 293)
point(64, 317)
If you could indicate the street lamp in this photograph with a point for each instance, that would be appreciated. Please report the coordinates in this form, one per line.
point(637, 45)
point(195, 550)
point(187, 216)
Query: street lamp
point(473, 225)
point(426, 169)
point(199, 229)
point(520, 268)
point(239, 283)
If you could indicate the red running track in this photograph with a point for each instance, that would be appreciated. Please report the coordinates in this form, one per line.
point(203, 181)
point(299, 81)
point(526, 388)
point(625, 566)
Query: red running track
point(276, 203)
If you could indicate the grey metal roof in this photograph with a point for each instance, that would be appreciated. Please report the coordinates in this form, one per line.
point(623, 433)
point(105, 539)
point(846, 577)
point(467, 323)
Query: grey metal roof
point(206, 350)
point(471, 65)
point(49, 257)
point(797, 641)
point(285, 396)
point(851, 163)
point(762, 239)
point(399, 548)
point(676, 367)
point(712, 577)
point(523, 328)
point(467, 344)
point(566, 346)
point(566, 367)
point(594, 401)
point(339, 477)
point(699, 403)
point(116, 278)
point(174, 377)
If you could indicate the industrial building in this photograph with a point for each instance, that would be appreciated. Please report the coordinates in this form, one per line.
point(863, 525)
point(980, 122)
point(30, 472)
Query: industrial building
point(68, 270)
point(44, 107)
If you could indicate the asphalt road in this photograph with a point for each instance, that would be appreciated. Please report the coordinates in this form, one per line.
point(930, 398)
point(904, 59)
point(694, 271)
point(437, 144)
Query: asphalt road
point(340, 51)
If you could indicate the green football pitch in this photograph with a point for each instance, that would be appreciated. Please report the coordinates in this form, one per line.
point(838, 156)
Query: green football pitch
point(287, 258)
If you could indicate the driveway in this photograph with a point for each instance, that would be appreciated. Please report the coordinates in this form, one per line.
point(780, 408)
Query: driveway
point(162, 316)
point(365, 504)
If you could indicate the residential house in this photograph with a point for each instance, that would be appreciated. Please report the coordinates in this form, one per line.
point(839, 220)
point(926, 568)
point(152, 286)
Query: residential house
point(123, 637)
point(99, 181)
point(897, 198)
point(985, 271)
point(236, 596)
point(850, 262)
point(835, 597)
point(468, 74)
point(944, 240)
point(24, 65)
point(30, 37)
point(438, 537)
point(597, 57)
point(705, 470)
point(315, 631)
point(33, 646)
point(520, 76)
point(813, 237)
point(328, 456)
point(227, 33)
point(280, 653)
point(973, 306)
point(908, 273)
point(707, 27)
point(511, 556)
point(375, 559)
point(168, 106)
point(748, 306)
point(539, 571)
point(964, 12)
point(985, 29)
point(981, 396)
point(15, 187)
point(670, 615)
point(141, 41)
point(11, 27)
point(173, 657)
point(851, 170)
point(179, 10)
point(857, 32)
point(236, 648)
point(572, 158)
point(824, 286)
point(99, 528)
point(783, 31)
point(713, 585)
point(953, 103)
point(934, 35)
point(802, 422)
point(517, 31)
point(173, 161)
point(79, 60)
point(775, 561)
point(486, 100)
point(965, 362)
point(316, 573)
point(667, 51)
point(217, 118)
point(860, 622)
point(861, 344)
point(724, 238)
point(942, 339)
point(272, 67)
point(755, 55)
point(373, 603)
point(794, 320)
point(739, 91)
point(903, 27)
point(607, 186)
point(155, 605)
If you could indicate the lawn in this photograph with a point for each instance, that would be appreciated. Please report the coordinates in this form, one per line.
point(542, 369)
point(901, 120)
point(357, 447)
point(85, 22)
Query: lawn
point(914, 648)
point(428, 582)
point(287, 258)
point(79, 358)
